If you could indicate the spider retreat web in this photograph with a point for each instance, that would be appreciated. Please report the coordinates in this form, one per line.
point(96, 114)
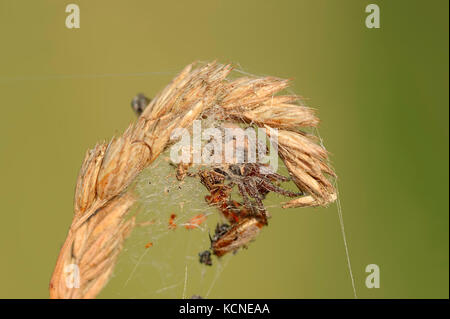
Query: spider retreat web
point(174, 225)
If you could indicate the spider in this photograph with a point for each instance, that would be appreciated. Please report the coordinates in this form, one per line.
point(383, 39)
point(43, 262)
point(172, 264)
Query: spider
point(253, 180)
point(221, 229)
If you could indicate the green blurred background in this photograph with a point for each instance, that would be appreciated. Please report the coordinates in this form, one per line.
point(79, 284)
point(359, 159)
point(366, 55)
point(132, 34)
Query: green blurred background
point(382, 96)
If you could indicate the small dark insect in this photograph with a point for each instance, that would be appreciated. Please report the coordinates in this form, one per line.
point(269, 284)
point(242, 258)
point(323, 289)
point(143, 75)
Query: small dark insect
point(205, 257)
point(221, 230)
point(139, 103)
point(196, 297)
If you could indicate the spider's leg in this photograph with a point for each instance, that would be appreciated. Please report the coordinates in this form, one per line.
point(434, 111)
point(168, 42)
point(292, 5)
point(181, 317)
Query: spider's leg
point(216, 187)
point(262, 213)
point(243, 192)
point(220, 171)
point(263, 191)
point(252, 188)
point(278, 177)
point(264, 171)
point(273, 188)
point(173, 164)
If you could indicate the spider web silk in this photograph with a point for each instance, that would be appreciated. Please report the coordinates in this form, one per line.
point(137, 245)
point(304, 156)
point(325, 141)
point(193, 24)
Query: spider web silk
point(170, 267)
